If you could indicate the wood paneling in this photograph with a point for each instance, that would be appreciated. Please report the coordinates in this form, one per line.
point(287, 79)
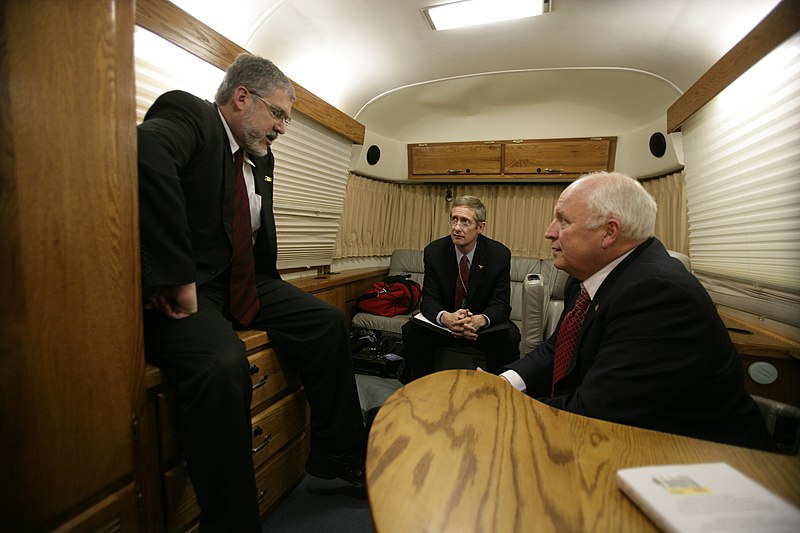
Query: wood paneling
point(779, 25)
point(71, 369)
point(178, 27)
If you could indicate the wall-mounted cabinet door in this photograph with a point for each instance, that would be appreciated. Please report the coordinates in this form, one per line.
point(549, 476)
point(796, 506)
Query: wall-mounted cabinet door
point(454, 158)
point(560, 156)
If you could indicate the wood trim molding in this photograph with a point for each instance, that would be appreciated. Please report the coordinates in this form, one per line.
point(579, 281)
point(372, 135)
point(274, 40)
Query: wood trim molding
point(779, 25)
point(181, 29)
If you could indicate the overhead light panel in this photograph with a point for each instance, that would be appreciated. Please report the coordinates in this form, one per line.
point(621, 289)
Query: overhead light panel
point(475, 12)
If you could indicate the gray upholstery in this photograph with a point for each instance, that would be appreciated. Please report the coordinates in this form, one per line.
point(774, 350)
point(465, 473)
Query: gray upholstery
point(542, 300)
point(783, 423)
point(401, 262)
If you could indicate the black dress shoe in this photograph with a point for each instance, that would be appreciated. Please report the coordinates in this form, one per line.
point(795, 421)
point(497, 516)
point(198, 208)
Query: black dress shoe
point(348, 467)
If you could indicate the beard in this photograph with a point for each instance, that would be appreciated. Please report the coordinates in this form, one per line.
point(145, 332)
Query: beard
point(253, 136)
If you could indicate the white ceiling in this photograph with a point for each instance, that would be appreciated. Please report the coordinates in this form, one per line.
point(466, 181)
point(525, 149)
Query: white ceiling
point(589, 67)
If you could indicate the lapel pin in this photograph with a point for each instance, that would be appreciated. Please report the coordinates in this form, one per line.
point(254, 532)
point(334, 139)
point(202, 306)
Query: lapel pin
point(596, 307)
point(480, 267)
point(268, 179)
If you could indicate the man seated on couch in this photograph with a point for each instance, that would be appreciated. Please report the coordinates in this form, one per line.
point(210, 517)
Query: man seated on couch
point(466, 291)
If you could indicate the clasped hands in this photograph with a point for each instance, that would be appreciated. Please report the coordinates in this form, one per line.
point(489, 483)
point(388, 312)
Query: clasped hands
point(463, 324)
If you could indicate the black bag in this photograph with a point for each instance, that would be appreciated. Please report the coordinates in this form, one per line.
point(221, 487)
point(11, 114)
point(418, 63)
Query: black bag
point(382, 358)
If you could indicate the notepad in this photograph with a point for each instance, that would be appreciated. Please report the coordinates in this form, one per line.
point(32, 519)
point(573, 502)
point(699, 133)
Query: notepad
point(420, 319)
point(707, 497)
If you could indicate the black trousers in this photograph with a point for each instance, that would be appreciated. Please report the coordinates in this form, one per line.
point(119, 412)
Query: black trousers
point(500, 347)
point(206, 361)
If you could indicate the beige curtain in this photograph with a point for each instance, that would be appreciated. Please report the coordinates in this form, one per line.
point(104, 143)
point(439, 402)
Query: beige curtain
point(672, 220)
point(380, 217)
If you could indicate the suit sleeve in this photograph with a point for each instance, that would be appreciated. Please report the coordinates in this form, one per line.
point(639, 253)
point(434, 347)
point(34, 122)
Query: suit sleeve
point(646, 350)
point(536, 368)
point(166, 141)
point(431, 302)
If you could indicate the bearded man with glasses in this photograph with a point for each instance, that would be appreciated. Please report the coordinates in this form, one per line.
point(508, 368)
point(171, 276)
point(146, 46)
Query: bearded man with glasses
point(209, 251)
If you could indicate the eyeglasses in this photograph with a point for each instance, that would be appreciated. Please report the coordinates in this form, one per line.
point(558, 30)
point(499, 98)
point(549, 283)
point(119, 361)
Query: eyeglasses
point(463, 222)
point(276, 112)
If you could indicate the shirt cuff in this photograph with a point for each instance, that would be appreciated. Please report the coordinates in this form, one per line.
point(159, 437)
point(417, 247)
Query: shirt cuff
point(516, 381)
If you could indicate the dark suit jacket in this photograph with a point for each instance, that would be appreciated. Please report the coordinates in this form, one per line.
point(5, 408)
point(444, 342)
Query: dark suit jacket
point(489, 287)
point(652, 353)
point(186, 195)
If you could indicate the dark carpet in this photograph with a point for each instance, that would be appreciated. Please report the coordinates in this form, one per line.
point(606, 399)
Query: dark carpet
point(321, 506)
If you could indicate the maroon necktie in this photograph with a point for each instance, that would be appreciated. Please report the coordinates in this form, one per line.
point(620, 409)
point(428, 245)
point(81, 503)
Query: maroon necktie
point(462, 283)
point(244, 298)
point(568, 337)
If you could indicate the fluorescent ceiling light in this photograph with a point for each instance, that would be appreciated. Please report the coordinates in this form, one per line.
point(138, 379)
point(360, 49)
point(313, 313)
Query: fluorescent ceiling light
point(475, 12)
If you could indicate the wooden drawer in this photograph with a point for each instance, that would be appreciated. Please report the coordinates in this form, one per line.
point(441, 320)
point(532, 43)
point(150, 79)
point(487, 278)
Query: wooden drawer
point(180, 503)
point(116, 512)
point(278, 424)
point(278, 473)
point(271, 377)
point(281, 472)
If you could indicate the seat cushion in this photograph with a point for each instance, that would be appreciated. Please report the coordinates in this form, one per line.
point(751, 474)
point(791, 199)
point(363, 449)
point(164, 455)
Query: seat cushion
point(390, 325)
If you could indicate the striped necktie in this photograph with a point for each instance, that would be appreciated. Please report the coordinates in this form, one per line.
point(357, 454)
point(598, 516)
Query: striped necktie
point(462, 283)
point(568, 337)
point(244, 297)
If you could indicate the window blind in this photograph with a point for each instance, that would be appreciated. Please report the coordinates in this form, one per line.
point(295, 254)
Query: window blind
point(311, 162)
point(311, 169)
point(743, 176)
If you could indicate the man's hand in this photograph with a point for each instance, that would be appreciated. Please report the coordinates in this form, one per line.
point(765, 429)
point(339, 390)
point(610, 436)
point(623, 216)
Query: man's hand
point(175, 302)
point(479, 369)
point(463, 324)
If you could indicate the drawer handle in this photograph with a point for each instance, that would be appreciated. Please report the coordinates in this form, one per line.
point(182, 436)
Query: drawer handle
point(261, 382)
point(258, 431)
point(454, 171)
point(554, 170)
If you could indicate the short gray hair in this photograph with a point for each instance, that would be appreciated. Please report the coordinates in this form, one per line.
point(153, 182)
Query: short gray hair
point(615, 195)
point(472, 203)
point(259, 75)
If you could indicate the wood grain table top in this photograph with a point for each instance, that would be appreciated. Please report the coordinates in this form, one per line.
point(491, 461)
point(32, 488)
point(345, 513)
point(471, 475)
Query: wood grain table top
point(464, 451)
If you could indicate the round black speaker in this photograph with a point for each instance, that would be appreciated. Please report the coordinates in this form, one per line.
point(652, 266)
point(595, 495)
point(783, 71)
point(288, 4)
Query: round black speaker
point(658, 144)
point(373, 154)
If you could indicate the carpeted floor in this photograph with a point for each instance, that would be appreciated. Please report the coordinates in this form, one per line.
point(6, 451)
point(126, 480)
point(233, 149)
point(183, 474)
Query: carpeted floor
point(321, 506)
point(331, 506)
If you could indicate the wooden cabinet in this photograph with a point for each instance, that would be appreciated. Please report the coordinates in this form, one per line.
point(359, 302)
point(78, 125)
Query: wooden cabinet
point(559, 156)
point(280, 439)
point(71, 350)
point(455, 158)
point(515, 160)
point(280, 420)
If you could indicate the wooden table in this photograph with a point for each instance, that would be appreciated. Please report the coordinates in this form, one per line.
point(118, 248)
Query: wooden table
point(463, 451)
